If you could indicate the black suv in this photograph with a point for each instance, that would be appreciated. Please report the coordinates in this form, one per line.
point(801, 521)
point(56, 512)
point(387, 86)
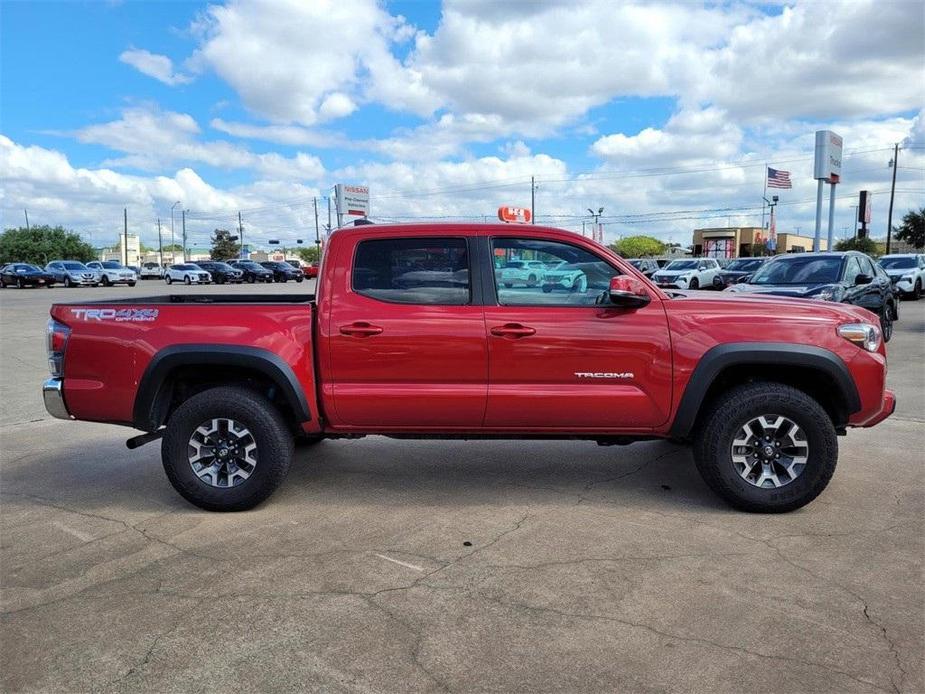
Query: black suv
point(737, 271)
point(849, 278)
point(283, 271)
point(253, 272)
point(222, 272)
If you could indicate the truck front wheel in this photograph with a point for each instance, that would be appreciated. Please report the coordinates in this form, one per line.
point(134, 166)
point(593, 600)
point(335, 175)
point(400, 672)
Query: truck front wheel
point(766, 448)
point(226, 449)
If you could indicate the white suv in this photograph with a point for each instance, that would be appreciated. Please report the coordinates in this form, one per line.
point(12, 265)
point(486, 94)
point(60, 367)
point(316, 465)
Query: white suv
point(188, 273)
point(693, 273)
point(907, 273)
point(528, 272)
point(113, 272)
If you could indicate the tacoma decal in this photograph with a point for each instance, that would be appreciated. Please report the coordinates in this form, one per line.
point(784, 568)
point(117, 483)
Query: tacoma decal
point(604, 374)
point(134, 315)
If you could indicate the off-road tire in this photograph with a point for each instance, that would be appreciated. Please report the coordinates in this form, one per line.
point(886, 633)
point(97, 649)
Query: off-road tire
point(272, 436)
point(730, 412)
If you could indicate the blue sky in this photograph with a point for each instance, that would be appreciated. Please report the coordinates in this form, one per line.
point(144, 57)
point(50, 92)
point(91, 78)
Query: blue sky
point(239, 105)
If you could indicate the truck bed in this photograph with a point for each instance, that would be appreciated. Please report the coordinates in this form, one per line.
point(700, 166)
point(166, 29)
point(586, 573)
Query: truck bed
point(162, 299)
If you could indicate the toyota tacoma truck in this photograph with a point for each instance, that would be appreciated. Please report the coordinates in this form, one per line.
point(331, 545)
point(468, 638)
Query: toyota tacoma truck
point(411, 335)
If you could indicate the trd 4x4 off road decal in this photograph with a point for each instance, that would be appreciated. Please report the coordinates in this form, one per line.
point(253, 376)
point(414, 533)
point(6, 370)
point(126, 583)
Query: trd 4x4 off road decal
point(116, 314)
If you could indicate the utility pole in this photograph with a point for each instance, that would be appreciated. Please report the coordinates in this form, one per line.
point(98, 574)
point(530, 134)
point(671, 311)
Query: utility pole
point(160, 242)
point(28, 228)
point(329, 214)
point(317, 230)
point(125, 236)
point(889, 219)
point(241, 234)
point(173, 240)
point(532, 200)
point(183, 212)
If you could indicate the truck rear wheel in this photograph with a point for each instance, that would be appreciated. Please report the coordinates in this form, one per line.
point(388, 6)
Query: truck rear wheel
point(226, 449)
point(766, 448)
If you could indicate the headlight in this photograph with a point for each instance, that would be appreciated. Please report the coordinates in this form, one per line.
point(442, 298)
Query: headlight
point(905, 278)
point(862, 334)
point(833, 293)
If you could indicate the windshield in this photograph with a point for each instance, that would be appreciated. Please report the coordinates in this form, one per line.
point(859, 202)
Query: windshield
point(743, 264)
point(896, 263)
point(74, 266)
point(682, 265)
point(514, 264)
point(112, 265)
point(26, 268)
point(250, 265)
point(801, 270)
point(636, 263)
point(221, 266)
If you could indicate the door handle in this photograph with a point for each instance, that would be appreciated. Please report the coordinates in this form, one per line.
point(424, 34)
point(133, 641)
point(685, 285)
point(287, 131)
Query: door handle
point(514, 330)
point(360, 329)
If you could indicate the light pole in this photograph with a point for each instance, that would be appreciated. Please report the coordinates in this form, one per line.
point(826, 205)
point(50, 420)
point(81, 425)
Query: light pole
point(173, 241)
point(596, 228)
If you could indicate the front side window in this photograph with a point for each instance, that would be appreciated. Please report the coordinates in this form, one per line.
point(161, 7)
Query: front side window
point(413, 271)
point(808, 269)
point(565, 275)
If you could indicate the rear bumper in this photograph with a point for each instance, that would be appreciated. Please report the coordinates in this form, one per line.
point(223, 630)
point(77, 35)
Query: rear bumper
point(53, 395)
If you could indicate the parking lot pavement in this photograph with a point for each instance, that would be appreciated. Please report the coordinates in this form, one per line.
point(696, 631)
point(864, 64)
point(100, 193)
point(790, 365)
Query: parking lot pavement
point(386, 565)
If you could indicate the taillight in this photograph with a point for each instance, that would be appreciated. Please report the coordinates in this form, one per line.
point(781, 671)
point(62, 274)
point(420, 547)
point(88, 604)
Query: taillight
point(56, 342)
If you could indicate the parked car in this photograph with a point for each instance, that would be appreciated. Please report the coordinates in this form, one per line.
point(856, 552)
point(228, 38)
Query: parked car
point(24, 275)
point(283, 272)
point(222, 272)
point(529, 273)
point(843, 277)
point(906, 272)
point(150, 271)
point(647, 266)
point(112, 272)
point(760, 386)
point(692, 273)
point(72, 273)
point(736, 271)
point(253, 271)
point(188, 273)
point(565, 275)
point(310, 270)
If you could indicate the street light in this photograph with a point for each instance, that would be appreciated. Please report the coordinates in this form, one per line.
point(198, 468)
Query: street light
point(596, 216)
point(173, 242)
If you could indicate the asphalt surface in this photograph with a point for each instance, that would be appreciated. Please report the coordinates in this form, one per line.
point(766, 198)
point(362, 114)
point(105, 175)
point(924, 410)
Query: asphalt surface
point(386, 565)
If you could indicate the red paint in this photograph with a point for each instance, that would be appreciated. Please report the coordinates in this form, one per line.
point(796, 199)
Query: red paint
point(370, 366)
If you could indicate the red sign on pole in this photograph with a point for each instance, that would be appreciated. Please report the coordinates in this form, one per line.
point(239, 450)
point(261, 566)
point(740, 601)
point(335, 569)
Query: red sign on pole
point(514, 215)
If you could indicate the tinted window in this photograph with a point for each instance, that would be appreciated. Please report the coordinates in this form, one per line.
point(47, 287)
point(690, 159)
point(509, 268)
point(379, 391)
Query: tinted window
point(682, 265)
point(74, 266)
point(897, 263)
point(853, 270)
point(112, 265)
point(743, 264)
point(413, 271)
point(574, 277)
point(799, 270)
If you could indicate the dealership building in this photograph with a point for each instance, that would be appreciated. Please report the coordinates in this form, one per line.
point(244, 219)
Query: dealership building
point(744, 242)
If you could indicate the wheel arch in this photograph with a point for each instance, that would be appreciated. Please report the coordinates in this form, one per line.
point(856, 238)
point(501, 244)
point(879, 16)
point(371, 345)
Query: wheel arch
point(177, 372)
point(818, 372)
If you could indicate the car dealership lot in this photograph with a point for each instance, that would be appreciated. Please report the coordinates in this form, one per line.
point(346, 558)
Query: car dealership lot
point(387, 565)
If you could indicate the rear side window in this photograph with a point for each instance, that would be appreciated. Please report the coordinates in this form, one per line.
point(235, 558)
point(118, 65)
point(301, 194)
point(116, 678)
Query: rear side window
point(413, 271)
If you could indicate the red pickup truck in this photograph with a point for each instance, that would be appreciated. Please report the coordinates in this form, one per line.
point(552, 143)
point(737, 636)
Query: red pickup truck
point(412, 334)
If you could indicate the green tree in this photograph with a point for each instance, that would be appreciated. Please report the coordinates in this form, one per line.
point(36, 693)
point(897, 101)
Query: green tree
point(42, 244)
point(912, 230)
point(309, 253)
point(224, 245)
point(865, 245)
point(638, 247)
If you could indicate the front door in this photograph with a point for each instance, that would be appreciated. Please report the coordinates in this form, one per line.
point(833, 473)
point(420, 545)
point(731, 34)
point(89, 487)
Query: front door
point(558, 359)
point(407, 342)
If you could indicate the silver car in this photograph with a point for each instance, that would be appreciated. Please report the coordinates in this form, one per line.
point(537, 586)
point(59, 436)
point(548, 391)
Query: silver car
point(112, 272)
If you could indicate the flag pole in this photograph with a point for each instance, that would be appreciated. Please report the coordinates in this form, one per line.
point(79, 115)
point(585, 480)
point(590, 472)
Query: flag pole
point(764, 195)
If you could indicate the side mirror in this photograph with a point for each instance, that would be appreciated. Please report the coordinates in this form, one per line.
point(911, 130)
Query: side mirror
point(628, 292)
point(863, 279)
point(743, 279)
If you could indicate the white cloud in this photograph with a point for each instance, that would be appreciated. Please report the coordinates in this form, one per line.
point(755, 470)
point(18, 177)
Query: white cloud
point(160, 67)
point(306, 62)
point(152, 139)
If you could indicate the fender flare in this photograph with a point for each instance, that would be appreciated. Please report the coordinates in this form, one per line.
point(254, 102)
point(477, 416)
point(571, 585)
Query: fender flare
point(145, 415)
point(777, 354)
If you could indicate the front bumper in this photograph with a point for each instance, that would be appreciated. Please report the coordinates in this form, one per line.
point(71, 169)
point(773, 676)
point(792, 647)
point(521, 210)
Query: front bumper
point(904, 286)
point(887, 407)
point(53, 395)
point(85, 281)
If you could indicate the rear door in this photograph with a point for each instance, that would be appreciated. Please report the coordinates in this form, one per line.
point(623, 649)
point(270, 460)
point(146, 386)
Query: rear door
point(557, 359)
point(406, 337)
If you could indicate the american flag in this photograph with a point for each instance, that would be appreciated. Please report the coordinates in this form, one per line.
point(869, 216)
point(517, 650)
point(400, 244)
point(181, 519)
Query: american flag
point(778, 178)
